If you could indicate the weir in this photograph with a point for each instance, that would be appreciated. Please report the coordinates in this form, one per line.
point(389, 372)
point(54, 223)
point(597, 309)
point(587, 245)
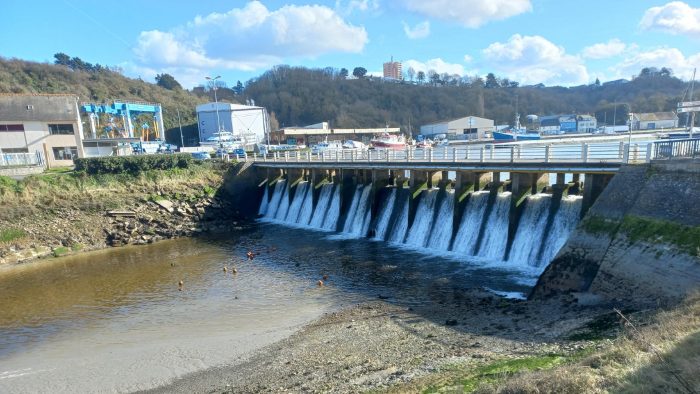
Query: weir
point(511, 216)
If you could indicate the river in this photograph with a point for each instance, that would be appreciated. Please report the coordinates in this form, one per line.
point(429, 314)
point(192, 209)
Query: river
point(117, 321)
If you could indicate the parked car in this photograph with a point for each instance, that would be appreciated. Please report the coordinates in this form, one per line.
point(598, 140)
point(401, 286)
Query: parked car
point(201, 155)
point(239, 152)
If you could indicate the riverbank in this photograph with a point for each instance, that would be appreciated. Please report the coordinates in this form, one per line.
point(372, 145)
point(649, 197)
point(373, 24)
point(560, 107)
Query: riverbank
point(61, 213)
point(480, 342)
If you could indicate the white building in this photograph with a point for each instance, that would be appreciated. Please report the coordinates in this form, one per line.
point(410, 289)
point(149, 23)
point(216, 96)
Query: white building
point(468, 128)
point(586, 124)
point(654, 120)
point(245, 121)
point(47, 123)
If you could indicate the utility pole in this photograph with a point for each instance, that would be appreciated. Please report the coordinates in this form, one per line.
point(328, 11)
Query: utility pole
point(182, 141)
point(216, 102)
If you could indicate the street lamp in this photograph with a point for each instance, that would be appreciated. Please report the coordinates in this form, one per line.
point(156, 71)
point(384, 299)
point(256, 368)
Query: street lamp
point(216, 101)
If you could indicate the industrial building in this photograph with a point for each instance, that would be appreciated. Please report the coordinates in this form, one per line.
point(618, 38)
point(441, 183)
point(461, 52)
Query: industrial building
point(244, 121)
point(320, 132)
point(45, 123)
point(654, 120)
point(468, 128)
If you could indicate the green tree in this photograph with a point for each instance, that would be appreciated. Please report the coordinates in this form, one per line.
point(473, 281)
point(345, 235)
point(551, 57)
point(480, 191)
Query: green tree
point(421, 76)
point(491, 81)
point(343, 73)
point(167, 81)
point(61, 59)
point(359, 72)
point(238, 89)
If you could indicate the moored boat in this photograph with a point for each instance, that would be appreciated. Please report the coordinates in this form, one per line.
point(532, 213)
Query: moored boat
point(388, 141)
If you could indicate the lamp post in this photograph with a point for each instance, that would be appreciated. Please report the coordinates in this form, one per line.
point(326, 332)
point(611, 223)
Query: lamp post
point(216, 101)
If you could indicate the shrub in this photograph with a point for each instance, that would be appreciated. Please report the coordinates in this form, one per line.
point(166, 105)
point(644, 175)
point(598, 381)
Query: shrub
point(132, 164)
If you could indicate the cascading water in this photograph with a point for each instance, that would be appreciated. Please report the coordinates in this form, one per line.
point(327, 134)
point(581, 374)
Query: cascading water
point(441, 233)
point(419, 233)
point(382, 226)
point(565, 221)
point(330, 221)
point(307, 206)
point(357, 221)
point(283, 206)
point(324, 200)
point(468, 234)
point(274, 204)
point(495, 238)
point(400, 226)
point(530, 233)
point(264, 203)
point(295, 208)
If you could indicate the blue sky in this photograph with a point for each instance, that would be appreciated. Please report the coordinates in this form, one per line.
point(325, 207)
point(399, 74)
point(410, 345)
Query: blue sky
point(556, 42)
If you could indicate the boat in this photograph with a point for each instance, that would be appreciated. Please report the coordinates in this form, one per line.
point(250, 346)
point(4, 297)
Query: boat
point(515, 133)
point(350, 144)
point(223, 137)
point(325, 146)
point(388, 141)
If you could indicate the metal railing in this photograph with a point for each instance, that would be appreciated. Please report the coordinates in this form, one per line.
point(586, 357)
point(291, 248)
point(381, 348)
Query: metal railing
point(22, 159)
point(493, 153)
point(685, 148)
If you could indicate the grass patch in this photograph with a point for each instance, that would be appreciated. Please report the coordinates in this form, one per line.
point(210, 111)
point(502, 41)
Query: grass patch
point(599, 225)
point(602, 327)
point(76, 247)
point(60, 251)
point(502, 369)
point(686, 238)
point(11, 234)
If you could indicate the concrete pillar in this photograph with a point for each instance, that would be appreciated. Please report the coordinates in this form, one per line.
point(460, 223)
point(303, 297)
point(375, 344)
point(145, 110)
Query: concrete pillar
point(560, 189)
point(575, 184)
point(592, 187)
point(496, 183)
point(434, 179)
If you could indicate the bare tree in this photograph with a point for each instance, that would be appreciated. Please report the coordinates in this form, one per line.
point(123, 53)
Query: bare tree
point(411, 73)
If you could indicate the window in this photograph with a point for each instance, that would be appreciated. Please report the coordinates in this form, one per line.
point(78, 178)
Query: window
point(55, 129)
point(65, 153)
point(11, 127)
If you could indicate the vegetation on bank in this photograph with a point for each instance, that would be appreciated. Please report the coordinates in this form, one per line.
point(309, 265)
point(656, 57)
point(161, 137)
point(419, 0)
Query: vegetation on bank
point(11, 234)
point(132, 164)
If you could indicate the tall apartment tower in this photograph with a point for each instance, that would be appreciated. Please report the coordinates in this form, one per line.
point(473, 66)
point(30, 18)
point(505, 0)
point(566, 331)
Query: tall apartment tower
point(392, 69)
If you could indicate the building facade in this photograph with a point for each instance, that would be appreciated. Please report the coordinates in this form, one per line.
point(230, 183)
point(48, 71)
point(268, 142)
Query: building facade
point(320, 132)
point(393, 70)
point(467, 128)
point(244, 121)
point(586, 124)
point(47, 123)
point(654, 120)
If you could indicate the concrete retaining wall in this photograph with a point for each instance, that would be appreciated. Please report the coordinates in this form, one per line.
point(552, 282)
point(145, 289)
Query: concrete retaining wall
point(604, 259)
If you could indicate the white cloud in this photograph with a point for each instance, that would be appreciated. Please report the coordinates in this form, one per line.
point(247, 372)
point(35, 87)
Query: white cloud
point(359, 5)
point(470, 13)
point(675, 17)
point(672, 58)
point(468, 59)
point(604, 50)
point(534, 59)
point(438, 65)
point(420, 30)
point(250, 38)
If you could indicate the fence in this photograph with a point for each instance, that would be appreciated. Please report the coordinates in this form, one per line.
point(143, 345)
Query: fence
point(22, 160)
point(617, 152)
point(685, 148)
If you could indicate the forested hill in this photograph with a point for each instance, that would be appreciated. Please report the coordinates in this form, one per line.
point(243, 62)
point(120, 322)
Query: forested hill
point(95, 83)
point(300, 96)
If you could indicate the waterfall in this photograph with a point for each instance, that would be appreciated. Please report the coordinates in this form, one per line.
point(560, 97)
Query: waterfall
point(385, 216)
point(441, 233)
point(423, 221)
point(274, 204)
point(530, 233)
point(565, 221)
point(495, 237)
point(359, 214)
point(330, 221)
point(307, 206)
point(295, 208)
point(264, 203)
point(400, 225)
point(324, 200)
point(473, 215)
point(281, 213)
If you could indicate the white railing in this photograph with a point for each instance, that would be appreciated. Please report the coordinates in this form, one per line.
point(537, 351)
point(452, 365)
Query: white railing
point(617, 152)
point(22, 159)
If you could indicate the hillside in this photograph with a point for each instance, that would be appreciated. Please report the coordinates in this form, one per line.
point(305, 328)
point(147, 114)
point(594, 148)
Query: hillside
point(102, 85)
point(300, 96)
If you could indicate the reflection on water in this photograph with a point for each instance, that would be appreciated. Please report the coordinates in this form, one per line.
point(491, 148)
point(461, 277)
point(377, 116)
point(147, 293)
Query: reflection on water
point(63, 321)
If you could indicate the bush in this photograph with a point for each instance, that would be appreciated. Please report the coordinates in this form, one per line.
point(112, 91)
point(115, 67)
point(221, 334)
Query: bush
point(132, 164)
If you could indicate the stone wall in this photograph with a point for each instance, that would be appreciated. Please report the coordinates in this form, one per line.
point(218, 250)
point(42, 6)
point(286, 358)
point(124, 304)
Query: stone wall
point(606, 257)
